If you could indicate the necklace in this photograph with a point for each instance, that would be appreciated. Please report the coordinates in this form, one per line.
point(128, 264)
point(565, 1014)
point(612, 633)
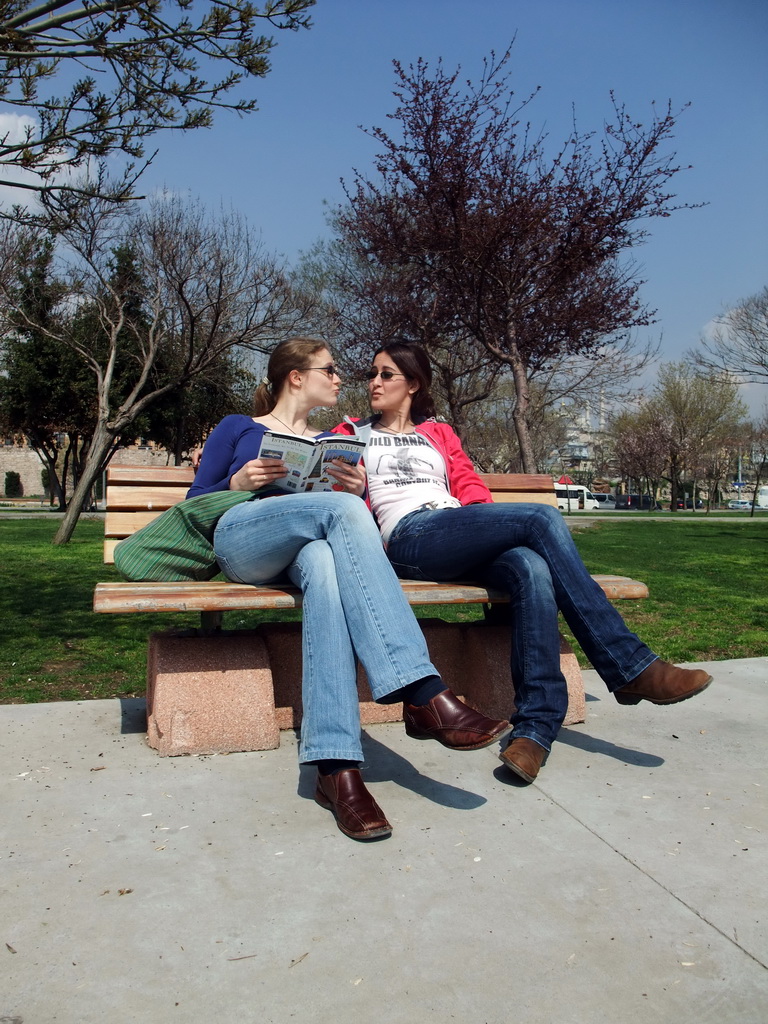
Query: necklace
point(391, 430)
point(292, 430)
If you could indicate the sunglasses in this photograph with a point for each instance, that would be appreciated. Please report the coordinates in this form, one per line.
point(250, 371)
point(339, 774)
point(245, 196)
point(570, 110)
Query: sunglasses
point(331, 370)
point(384, 374)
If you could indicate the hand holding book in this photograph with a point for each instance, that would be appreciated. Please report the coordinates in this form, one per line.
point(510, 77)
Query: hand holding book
point(314, 464)
point(258, 473)
point(350, 478)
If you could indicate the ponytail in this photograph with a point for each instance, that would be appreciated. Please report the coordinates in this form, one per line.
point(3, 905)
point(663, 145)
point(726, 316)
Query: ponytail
point(291, 354)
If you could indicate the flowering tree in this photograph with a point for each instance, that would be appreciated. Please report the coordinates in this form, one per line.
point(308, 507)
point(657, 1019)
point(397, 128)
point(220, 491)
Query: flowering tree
point(498, 244)
point(688, 416)
point(642, 443)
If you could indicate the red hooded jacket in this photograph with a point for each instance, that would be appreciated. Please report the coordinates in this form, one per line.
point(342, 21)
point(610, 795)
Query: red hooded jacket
point(463, 480)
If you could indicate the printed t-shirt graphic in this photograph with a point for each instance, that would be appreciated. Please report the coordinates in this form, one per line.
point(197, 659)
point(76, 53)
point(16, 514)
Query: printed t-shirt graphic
point(404, 472)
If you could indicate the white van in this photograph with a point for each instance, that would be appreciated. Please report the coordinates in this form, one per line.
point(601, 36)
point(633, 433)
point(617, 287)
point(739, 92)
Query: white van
point(575, 498)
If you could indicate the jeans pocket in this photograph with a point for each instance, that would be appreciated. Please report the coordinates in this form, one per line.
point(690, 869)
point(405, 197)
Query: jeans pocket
point(409, 572)
point(227, 570)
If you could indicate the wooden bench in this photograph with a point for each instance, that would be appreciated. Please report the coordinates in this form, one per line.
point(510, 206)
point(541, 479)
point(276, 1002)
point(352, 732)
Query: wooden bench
point(214, 691)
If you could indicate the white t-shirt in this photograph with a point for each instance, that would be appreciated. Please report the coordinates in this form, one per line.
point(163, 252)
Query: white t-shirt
point(404, 472)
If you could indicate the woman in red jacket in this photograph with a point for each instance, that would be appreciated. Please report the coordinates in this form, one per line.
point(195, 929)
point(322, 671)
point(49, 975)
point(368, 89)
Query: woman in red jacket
point(438, 522)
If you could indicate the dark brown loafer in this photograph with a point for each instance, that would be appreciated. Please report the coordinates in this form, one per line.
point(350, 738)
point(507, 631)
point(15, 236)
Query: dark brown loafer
point(525, 757)
point(357, 813)
point(451, 722)
point(662, 683)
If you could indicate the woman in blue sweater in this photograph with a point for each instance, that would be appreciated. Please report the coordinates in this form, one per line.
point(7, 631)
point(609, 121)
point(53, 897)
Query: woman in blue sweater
point(329, 546)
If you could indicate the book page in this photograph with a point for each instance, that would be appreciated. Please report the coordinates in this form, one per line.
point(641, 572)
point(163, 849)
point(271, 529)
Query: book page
point(328, 448)
point(296, 452)
point(306, 459)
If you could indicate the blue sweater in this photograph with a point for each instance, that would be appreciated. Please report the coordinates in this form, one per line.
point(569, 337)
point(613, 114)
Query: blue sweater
point(233, 442)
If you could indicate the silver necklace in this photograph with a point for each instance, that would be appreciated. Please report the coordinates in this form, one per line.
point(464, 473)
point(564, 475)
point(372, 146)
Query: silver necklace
point(390, 430)
point(292, 430)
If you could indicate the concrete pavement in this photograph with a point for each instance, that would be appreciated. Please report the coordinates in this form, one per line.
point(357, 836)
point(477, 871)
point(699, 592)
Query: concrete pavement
point(627, 885)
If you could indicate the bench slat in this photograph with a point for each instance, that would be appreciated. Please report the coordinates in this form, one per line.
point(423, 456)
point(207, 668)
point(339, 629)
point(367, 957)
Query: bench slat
point(137, 494)
point(150, 475)
point(513, 483)
point(528, 497)
point(224, 596)
point(536, 488)
point(123, 524)
point(127, 498)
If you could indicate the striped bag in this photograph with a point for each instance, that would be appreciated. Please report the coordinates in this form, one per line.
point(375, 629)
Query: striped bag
point(178, 545)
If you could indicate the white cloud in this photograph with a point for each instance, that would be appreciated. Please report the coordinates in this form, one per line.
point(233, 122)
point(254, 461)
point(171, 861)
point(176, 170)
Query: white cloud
point(14, 128)
point(756, 398)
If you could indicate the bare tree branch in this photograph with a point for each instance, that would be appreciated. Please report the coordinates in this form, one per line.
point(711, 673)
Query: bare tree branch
point(142, 67)
point(739, 342)
point(200, 287)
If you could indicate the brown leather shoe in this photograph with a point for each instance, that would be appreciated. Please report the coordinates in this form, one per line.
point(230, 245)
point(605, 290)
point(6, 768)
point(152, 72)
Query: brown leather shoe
point(357, 813)
point(662, 683)
point(451, 722)
point(525, 757)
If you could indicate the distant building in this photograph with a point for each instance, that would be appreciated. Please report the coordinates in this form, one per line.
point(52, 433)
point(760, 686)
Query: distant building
point(20, 458)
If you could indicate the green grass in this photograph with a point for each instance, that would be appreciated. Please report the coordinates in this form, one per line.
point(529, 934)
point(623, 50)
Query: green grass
point(709, 600)
point(707, 580)
point(53, 646)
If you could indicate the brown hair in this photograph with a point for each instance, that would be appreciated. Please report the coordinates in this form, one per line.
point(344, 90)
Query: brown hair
point(412, 360)
point(291, 354)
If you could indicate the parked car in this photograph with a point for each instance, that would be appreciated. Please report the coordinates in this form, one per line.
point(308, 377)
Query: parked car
point(635, 502)
point(688, 503)
point(740, 504)
point(605, 501)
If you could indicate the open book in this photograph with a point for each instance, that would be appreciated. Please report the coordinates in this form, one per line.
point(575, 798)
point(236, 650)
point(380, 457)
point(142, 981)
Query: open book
point(307, 459)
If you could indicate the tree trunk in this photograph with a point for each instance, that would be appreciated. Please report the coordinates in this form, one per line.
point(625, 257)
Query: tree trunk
point(54, 484)
point(520, 415)
point(97, 455)
point(459, 420)
point(674, 483)
point(67, 468)
point(755, 492)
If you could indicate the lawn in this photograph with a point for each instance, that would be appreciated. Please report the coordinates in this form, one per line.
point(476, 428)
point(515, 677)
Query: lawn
point(707, 580)
point(709, 600)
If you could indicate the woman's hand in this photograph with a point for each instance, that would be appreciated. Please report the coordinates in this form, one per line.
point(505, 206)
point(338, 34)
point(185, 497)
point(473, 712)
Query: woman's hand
point(257, 473)
point(352, 478)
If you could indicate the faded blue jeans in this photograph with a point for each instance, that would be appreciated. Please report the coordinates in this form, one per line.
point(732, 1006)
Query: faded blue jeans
point(328, 545)
point(527, 551)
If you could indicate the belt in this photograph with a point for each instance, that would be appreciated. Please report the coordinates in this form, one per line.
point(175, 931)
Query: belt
point(442, 503)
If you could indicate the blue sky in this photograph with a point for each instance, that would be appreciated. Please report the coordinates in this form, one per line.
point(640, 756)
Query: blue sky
point(280, 165)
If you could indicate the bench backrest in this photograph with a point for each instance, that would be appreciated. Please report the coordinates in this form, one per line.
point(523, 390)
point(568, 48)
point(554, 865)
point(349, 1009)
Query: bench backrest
point(137, 494)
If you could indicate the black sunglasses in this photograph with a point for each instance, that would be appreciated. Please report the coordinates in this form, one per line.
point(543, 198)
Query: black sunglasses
point(331, 370)
point(384, 374)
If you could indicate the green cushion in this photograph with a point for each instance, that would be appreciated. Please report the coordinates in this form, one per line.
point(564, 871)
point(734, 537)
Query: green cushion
point(178, 545)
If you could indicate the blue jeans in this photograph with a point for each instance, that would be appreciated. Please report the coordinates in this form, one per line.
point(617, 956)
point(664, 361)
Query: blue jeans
point(527, 551)
point(329, 546)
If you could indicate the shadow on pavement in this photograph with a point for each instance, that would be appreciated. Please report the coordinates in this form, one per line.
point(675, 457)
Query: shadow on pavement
point(627, 755)
point(384, 765)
